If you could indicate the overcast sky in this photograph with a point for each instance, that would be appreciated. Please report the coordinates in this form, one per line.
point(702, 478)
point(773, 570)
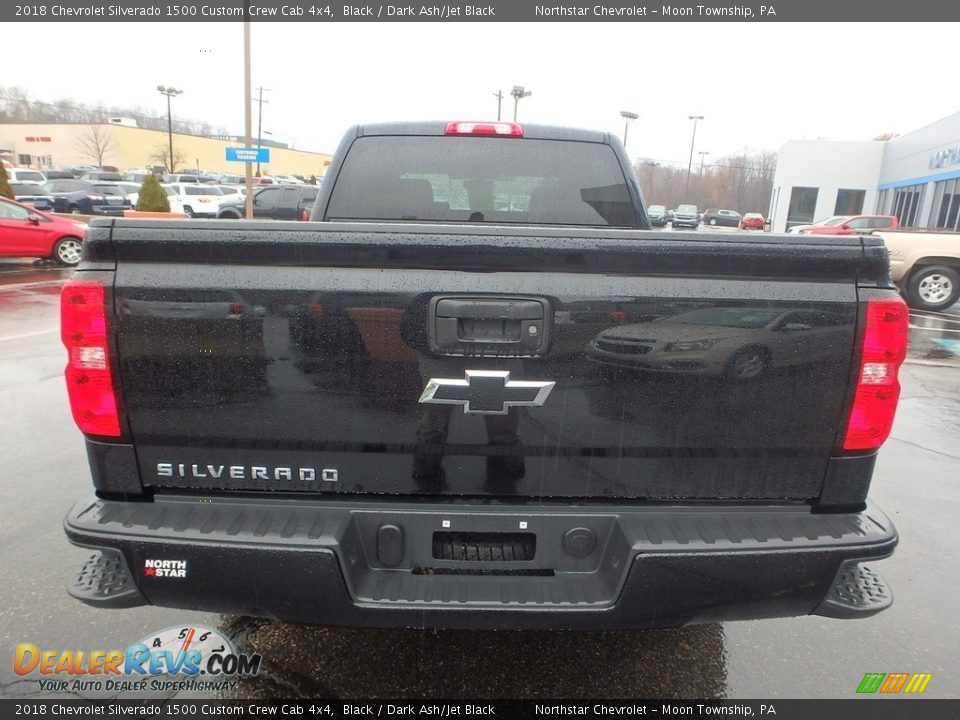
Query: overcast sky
point(758, 85)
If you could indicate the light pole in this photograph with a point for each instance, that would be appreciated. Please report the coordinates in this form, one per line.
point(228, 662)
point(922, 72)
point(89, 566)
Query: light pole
point(247, 112)
point(261, 101)
point(703, 154)
point(693, 139)
point(169, 92)
point(627, 117)
point(518, 94)
point(499, 96)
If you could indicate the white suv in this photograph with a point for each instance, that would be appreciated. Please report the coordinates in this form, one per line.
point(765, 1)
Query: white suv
point(19, 175)
point(198, 200)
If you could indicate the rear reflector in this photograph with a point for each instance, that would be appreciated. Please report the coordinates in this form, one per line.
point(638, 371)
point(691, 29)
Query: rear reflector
point(501, 129)
point(878, 389)
point(83, 328)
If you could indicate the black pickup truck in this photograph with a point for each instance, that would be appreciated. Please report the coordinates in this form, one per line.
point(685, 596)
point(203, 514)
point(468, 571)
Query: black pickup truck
point(479, 392)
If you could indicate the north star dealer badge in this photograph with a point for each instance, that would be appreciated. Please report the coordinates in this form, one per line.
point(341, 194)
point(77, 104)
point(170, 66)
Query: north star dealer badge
point(486, 392)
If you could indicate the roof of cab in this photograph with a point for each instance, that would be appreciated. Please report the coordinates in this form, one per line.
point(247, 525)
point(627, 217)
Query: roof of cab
point(438, 127)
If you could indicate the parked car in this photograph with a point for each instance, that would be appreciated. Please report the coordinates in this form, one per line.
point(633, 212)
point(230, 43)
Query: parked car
point(82, 197)
point(58, 174)
point(284, 202)
point(848, 225)
point(102, 175)
point(199, 200)
point(27, 232)
point(131, 190)
point(657, 215)
point(33, 194)
point(726, 218)
point(175, 178)
point(686, 216)
point(231, 192)
point(233, 179)
point(752, 221)
point(78, 170)
point(137, 176)
point(26, 175)
point(176, 202)
point(741, 343)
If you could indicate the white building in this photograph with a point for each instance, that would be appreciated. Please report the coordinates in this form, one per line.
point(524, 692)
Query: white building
point(914, 176)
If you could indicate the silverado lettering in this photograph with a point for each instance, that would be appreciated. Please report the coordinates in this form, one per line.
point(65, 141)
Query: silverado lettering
point(236, 472)
point(477, 390)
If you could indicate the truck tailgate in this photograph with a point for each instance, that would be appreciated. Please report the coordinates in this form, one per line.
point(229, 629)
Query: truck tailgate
point(652, 365)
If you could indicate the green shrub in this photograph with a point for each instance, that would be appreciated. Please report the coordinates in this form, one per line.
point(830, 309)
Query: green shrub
point(5, 189)
point(152, 198)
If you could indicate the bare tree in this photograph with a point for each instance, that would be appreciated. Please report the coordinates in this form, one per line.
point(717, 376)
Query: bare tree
point(162, 156)
point(96, 143)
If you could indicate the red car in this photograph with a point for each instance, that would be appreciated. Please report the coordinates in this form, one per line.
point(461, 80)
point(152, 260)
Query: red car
point(848, 225)
point(751, 221)
point(27, 232)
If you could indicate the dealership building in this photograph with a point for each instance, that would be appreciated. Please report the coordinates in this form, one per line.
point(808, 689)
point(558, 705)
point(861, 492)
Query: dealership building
point(915, 176)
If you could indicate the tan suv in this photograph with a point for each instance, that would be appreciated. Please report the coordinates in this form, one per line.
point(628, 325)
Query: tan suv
point(925, 266)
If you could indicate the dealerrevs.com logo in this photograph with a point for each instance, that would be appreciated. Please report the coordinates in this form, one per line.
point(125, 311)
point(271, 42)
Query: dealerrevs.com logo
point(172, 660)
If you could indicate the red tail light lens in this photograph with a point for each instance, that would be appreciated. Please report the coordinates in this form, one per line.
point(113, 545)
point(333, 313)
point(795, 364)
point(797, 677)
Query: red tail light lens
point(304, 215)
point(500, 129)
point(83, 328)
point(878, 389)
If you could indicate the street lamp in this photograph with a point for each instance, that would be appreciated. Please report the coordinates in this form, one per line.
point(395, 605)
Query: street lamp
point(703, 154)
point(627, 117)
point(260, 101)
point(518, 94)
point(169, 92)
point(692, 141)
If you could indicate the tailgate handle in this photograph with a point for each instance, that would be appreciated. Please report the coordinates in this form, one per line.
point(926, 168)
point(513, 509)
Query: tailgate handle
point(488, 325)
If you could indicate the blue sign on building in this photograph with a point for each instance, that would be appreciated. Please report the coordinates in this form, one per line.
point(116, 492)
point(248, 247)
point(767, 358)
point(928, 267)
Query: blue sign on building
point(248, 155)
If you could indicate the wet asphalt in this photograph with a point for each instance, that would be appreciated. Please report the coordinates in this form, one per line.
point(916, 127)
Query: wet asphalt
point(917, 482)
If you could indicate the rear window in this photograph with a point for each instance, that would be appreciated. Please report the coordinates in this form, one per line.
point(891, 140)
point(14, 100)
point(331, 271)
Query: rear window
point(476, 179)
point(108, 189)
point(202, 190)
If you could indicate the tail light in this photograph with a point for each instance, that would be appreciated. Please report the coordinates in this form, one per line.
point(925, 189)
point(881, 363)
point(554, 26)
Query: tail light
point(878, 389)
point(304, 215)
point(501, 129)
point(83, 328)
point(236, 309)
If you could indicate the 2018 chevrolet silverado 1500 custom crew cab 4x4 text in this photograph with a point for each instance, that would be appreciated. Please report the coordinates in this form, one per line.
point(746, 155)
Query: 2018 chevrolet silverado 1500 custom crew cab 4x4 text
point(479, 392)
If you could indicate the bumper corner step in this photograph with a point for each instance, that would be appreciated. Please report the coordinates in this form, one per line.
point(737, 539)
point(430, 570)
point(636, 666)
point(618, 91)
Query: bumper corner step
point(104, 581)
point(857, 592)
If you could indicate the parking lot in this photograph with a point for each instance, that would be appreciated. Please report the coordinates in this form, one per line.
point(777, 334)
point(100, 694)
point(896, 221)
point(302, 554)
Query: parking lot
point(45, 472)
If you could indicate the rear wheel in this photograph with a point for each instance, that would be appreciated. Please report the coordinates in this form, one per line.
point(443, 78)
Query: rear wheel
point(74, 210)
point(229, 215)
point(188, 211)
point(747, 364)
point(67, 251)
point(936, 287)
point(713, 221)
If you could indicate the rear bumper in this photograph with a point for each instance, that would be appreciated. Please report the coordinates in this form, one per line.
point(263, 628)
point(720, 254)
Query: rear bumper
point(371, 563)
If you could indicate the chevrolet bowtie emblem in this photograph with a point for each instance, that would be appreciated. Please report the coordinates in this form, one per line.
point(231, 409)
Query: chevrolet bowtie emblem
point(486, 392)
